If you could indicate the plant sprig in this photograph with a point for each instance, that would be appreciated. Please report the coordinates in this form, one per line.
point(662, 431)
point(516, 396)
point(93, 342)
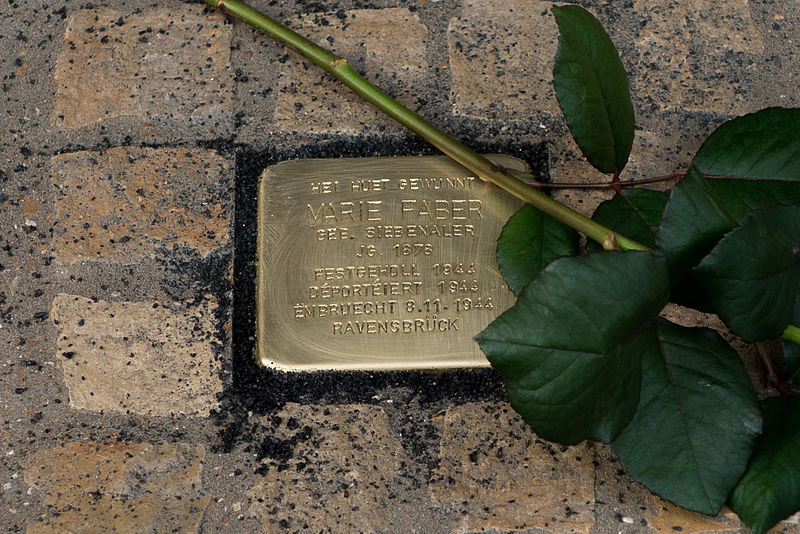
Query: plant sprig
point(583, 351)
point(729, 237)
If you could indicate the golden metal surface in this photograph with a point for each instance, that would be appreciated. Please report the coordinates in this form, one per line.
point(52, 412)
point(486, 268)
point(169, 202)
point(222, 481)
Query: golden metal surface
point(378, 263)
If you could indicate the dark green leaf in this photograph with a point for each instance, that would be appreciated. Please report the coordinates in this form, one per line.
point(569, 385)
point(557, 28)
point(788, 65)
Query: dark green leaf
point(749, 161)
point(693, 222)
point(791, 350)
point(635, 214)
point(753, 160)
point(690, 293)
point(697, 419)
point(568, 348)
point(752, 275)
point(740, 197)
point(765, 144)
point(530, 240)
point(592, 89)
point(770, 490)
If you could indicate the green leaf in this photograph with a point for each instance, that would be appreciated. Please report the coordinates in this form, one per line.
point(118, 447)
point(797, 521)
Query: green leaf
point(753, 274)
point(765, 145)
point(692, 223)
point(635, 214)
point(770, 490)
point(569, 348)
point(753, 160)
point(530, 240)
point(741, 196)
point(592, 89)
point(749, 161)
point(697, 419)
point(701, 210)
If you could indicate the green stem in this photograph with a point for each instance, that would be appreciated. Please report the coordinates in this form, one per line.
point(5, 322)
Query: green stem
point(485, 169)
point(792, 333)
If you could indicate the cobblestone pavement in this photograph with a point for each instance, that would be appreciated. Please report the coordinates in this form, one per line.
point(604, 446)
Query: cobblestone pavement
point(132, 133)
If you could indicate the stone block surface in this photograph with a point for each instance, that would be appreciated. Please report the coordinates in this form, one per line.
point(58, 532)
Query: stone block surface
point(387, 46)
point(697, 56)
point(125, 203)
point(663, 516)
point(161, 64)
point(342, 475)
point(138, 357)
point(92, 486)
point(501, 59)
point(498, 475)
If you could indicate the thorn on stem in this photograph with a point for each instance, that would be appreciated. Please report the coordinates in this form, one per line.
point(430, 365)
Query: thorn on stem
point(610, 242)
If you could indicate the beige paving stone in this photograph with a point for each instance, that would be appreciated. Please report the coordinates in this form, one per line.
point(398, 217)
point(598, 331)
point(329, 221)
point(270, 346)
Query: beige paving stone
point(163, 64)
point(498, 475)
point(695, 55)
point(621, 502)
point(663, 516)
point(124, 203)
point(790, 525)
point(92, 486)
point(138, 356)
point(387, 46)
point(342, 474)
point(501, 59)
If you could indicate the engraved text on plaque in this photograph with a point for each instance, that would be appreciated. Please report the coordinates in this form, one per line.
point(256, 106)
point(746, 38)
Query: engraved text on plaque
point(378, 263)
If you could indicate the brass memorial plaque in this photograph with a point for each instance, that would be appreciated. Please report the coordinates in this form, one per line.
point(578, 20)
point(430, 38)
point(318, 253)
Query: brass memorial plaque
point(378, 263)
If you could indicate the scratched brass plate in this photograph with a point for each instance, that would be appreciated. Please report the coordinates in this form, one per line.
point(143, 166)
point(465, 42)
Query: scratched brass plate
point(378, 263)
